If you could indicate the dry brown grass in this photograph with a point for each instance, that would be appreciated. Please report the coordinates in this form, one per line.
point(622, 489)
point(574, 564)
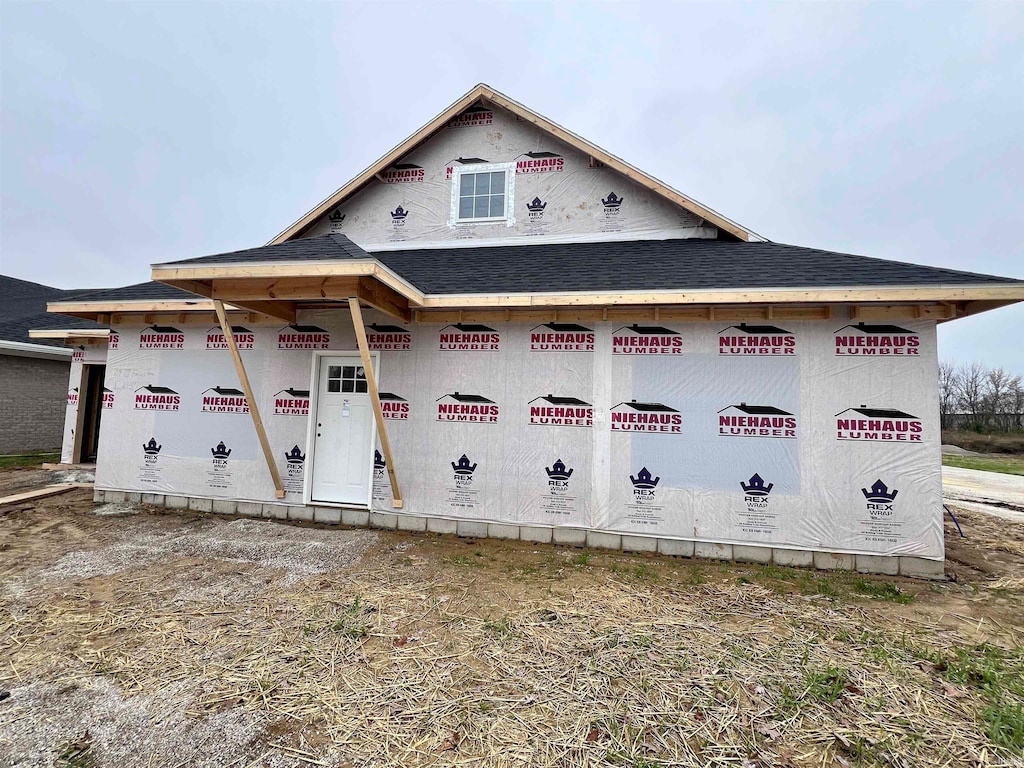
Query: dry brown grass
point(433, 651)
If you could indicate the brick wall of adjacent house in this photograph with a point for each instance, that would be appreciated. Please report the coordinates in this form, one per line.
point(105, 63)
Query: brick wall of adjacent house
point(33, 394)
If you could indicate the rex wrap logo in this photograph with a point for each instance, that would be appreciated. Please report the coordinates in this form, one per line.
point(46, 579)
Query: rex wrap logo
point(402, 173)
point(535, 210)
point(644, 486)
point(561, 337)
point(468, 337)
point(398, 217)
point(558, 476)
point(462, 471)
point(244, 338)
point(473, 409)
point(556, 411)
point(471, 117)
point(880, 499)
point(336, 220)
point(757, 340)
point(878, 340)
point(303, 337)
point(224, 400)
point(878, 425)
point(393, 406)
point(380, 466)
point(388, 338)
point(756, 421)
point(539, 162)
point(156, 398)
point(655, 418)
point(646, 340)
point(151, 452)
point(295, 462)
point(755, 492)
point(161, 337)
point(291, 402)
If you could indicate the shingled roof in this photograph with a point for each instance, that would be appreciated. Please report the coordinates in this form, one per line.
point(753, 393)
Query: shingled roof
point(682, 264)
point(23, 307)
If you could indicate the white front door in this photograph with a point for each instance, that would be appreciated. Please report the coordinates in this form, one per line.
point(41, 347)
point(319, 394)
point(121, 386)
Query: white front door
point(344, 434)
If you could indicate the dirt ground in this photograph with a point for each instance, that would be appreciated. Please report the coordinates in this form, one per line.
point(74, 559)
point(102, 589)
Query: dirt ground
point(132, 636)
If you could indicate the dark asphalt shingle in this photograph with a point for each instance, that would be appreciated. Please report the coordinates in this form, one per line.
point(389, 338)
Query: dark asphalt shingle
point(656, 265)
point(23, 308)
point(139, 292)
point(321, 248)
point(692, 264)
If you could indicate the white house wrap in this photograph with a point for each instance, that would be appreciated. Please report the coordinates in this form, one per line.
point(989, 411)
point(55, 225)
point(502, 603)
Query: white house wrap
point(715, 432)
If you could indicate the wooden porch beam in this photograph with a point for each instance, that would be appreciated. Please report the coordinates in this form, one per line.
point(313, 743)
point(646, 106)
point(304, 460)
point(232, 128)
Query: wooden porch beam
point(386, 299)
point(254, 410)
point(286, 288)
point(282, 310)
point(378, 413)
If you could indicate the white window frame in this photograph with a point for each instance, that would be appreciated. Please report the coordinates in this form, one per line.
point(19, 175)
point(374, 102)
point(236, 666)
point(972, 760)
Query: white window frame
point(510, 174)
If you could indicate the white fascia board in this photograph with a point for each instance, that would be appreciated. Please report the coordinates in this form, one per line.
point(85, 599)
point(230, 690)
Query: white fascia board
point(24, 349)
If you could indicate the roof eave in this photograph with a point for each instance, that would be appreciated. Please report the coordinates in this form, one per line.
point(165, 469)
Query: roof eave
point(1002, 293)
point(41, 351)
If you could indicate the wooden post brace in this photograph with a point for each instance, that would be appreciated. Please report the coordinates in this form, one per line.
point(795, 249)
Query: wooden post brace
point(254, 410)
point(378, 412)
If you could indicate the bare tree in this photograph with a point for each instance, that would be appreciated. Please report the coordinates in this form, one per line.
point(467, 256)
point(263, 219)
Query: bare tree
point(948, 393)
point(970, 389)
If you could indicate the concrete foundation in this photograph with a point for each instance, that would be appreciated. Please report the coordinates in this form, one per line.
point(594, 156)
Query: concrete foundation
point(747, 554)
point(639, 544)
point(710, 551)
point(911, 567)
point(793, 558)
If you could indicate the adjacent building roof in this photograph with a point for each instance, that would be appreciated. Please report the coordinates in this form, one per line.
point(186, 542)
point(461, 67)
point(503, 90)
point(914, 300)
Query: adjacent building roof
point(646, 265)
point(23, 307)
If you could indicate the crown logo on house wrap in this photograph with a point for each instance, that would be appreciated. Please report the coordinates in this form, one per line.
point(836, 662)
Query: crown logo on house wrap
point(399, 213)
point(378, 460)
point(536, 206)
point(879, 492)
point(643, 479)
point(612, 201)
point(295, 456)
point(558, 471)
point(463, 467)
point(151, 448)
point(221, 451)
point(756, 486)
point(336, 216)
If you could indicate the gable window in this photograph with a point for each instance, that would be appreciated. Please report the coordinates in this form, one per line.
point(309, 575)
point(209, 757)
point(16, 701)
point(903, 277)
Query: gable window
point(482, 194)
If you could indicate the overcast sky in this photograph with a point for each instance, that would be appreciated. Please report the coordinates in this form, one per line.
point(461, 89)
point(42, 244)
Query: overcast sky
point(135, 133)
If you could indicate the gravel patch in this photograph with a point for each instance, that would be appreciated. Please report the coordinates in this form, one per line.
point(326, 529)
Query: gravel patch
point(116, 510)
point(299, 552)
point(43, 722)
point(73, 476)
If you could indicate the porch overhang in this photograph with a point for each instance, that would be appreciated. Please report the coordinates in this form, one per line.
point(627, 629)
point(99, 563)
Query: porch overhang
point(73, 337)
point(279, 289)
